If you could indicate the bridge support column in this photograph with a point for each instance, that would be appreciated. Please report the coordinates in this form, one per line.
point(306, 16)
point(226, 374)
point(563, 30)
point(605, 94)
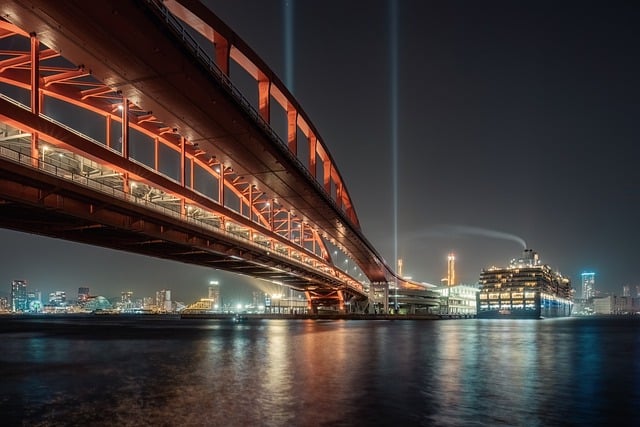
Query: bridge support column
point(341, 302)
point(310, 308)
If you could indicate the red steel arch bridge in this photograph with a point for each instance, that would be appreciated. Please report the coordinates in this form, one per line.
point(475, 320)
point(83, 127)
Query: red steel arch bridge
point(121, 125)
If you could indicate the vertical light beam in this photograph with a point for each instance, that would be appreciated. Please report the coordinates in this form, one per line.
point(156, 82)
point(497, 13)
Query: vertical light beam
point(288, 43)
point(393, 83)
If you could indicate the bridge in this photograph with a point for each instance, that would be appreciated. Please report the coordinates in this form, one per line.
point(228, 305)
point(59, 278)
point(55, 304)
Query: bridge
point(122, 125)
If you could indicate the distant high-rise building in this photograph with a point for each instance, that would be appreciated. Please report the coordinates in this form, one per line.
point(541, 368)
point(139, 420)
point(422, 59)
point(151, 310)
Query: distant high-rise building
point(125, 297)
point(83, 295)
point(214, 293)
point(34, 301)
point(163, 300)
point(19, 301)
point(126, 300)
point(626, 291)
point(451, 270)
point(588, 285)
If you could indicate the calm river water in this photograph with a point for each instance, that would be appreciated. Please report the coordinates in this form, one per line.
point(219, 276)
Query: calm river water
point(578, 371)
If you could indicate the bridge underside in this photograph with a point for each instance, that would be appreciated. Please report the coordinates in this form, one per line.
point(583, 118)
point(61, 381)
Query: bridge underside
point(162, 121)
point(36, 202)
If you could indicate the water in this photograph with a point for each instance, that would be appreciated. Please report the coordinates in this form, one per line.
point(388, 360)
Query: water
point(583, 371)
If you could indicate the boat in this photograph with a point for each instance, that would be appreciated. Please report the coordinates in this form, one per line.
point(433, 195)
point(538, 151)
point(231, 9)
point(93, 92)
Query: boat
point(525, 289)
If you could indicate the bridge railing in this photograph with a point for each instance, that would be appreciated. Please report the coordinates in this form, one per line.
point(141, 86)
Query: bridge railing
point(178, 29)
point(78, 179)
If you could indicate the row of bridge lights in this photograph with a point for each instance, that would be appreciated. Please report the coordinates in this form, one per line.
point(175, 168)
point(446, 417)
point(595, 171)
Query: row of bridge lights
point(346, 262)
point(297, 226)
point(46, 149)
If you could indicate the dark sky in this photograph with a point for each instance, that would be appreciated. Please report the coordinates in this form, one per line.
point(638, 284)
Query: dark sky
point(515, 121)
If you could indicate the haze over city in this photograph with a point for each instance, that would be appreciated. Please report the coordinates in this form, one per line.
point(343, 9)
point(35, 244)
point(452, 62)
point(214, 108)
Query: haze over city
point(467, 127)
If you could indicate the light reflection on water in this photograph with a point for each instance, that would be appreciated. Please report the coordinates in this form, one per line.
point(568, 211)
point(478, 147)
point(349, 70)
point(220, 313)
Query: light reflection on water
point(278, 372)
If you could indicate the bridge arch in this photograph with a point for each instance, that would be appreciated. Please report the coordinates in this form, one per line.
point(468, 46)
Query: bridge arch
point(286, 216)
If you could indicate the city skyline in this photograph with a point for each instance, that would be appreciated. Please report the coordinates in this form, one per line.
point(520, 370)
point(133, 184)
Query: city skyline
point(512, 123)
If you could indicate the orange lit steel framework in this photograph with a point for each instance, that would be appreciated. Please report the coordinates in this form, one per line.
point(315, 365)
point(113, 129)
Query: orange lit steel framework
point(129, 81)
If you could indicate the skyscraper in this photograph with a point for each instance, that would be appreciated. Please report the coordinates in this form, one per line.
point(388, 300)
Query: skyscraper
point(588, 285)
point(19, 300)
point(214, 293)
point(163, 300)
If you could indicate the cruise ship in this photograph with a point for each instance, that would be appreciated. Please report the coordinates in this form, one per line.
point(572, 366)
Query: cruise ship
point(526, 289)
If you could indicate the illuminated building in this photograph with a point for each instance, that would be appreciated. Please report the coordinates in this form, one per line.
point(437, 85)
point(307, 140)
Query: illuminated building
point(97, 303)
point(525, 289)
point(58, 298)
point(626, 291)
point(214, 293)
point(83, 295)
point(19, 300)
point(126, 301)
point(458, 299)
point(613, 304)
point(588, 285)
point(451, 270)
point(34, 301)
point(163, 300)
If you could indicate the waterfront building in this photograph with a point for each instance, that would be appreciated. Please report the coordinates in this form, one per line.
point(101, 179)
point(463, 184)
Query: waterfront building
point(614, 304)
point(4, 304)
point(458, 299)
point(414, 301)
point(526, 288)
point(202, 306)
point(19, 301)
point(58, 298)
point(97, 303)
point(588, 285)
point(626, 291)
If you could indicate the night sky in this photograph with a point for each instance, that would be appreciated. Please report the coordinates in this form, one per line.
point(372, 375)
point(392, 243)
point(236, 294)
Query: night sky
point(510, 122)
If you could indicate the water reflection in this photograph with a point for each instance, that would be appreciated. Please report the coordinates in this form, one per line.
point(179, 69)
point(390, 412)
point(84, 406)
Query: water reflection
point(463, 372)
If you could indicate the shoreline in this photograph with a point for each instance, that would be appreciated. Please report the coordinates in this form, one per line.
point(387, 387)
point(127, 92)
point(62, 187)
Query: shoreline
point(43, 318)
